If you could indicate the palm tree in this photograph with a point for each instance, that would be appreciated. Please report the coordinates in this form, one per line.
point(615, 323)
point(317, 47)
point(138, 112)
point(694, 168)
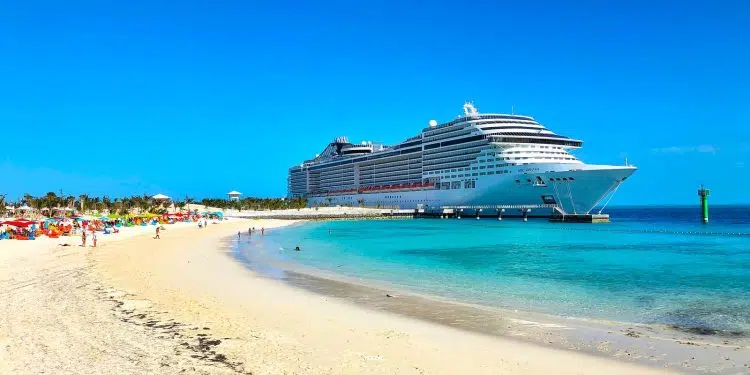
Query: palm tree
point(82, 201)
point(70, 201)
point(2, 204)
point(107, 204)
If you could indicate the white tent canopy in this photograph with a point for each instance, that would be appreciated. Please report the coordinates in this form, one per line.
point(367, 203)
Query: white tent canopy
point(234, 192)
point(24, 208)
point(160, 197)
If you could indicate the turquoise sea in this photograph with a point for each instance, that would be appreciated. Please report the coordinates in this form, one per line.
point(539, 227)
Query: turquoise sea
point(649, 265)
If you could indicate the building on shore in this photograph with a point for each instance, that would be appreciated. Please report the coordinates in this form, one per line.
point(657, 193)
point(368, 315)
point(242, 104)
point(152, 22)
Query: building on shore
point(234, 195)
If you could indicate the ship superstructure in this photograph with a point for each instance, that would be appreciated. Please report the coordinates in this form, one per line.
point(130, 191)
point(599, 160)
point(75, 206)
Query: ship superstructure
point(473, 160)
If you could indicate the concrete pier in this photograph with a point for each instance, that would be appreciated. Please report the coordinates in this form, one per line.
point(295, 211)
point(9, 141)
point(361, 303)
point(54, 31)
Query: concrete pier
point(580, 218)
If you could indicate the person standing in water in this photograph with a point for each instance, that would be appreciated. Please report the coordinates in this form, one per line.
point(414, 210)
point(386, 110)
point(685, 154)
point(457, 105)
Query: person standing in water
point(262, 231)
point(239, 235)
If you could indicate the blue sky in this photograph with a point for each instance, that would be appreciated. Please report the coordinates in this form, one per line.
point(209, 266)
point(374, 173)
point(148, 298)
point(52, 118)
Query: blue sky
point(199, 98)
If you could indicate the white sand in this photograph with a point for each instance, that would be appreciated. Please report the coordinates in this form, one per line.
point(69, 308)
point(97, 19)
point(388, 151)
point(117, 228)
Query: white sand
point(141, 306)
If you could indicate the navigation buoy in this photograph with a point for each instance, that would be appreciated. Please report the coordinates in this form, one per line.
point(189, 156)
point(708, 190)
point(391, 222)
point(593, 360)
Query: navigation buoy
point(704, 193)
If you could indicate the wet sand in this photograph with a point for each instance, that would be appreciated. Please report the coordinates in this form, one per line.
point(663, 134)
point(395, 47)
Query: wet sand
point(183, 305)
point(656, 346)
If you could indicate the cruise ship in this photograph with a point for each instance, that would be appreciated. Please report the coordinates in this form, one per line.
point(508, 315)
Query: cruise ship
point(478, 160)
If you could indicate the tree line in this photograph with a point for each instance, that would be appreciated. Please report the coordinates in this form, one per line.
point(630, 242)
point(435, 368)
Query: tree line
point(144, 203)
point(255, 203)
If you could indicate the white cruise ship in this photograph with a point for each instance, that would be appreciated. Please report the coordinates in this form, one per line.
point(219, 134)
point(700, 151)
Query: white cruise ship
point(475, 161)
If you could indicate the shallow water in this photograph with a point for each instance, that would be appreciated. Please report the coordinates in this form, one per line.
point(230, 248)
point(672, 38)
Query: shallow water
point(650, 265)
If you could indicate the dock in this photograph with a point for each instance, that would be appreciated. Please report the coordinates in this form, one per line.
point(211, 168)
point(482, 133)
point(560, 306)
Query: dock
point(488, 211)
point(498, 212)
point(323, 213)
point(551, 211)
point(580, 218)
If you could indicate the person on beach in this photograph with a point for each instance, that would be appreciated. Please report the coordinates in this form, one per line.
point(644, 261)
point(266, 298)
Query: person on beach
point(157, 233)
point(93, 238)
point(83, 238)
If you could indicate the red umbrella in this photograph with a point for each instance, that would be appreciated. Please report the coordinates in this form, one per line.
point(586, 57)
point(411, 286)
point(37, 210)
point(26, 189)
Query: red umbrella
point(18, 223)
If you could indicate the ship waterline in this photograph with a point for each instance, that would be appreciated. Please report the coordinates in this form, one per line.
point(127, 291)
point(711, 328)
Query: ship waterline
point(477, 160)
point(580, 192)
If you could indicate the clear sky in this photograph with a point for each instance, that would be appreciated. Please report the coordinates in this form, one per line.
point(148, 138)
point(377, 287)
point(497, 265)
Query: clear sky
point(203, 97)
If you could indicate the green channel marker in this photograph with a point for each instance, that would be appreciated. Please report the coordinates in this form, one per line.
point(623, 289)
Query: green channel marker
point(704, 193)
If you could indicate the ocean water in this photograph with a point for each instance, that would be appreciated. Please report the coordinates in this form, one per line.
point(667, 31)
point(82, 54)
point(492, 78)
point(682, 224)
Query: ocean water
point(649, 265)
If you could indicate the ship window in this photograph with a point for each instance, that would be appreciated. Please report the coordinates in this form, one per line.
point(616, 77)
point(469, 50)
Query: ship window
point(482, 173)
point(490, 172)
point(482, 167)
point(571, 178)
point(475, 174)
point(474, 168)
point(456, 185)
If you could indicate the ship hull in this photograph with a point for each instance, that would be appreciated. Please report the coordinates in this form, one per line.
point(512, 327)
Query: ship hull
point(574, 188)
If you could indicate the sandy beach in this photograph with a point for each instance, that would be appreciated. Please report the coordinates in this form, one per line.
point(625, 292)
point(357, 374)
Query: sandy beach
point(180, 305)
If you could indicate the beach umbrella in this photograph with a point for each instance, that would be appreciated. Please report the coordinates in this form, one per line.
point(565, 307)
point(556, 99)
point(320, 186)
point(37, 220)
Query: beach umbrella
point(10, 208)
point(18, 223)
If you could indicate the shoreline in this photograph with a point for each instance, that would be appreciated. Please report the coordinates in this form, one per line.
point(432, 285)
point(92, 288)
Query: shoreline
point(182, 305)
point(331, 312)
point(652, 344)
